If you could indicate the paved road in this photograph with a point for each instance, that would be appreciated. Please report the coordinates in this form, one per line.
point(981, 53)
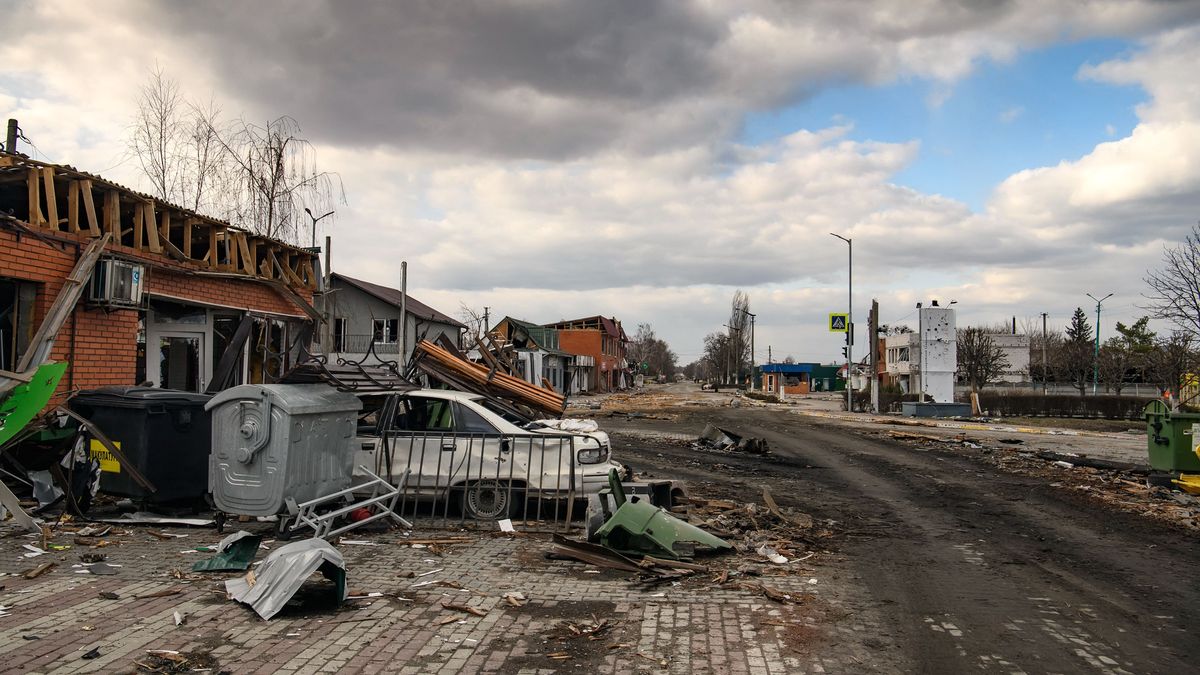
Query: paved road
point(973, 569)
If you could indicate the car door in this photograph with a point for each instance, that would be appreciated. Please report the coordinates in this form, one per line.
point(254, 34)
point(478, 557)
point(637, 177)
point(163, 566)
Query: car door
point(422, 439)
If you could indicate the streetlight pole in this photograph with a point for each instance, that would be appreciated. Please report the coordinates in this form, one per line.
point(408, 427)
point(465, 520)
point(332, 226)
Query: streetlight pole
point(849, 321)
point(1044, 354)
point(1096, 354)
point(314, 224)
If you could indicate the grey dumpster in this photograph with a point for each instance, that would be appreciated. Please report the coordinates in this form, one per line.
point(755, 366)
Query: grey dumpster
point(274, 442)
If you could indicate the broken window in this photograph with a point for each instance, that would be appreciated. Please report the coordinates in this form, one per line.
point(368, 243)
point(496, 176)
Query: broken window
point(339, 334)
point(16, 320)
point(224, 327)
point(384, 331)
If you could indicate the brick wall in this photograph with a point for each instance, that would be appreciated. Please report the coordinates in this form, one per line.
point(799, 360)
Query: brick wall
point(104, 350)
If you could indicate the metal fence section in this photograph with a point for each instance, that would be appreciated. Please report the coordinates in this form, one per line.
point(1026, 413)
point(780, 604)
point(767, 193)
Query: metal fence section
point(457, 478)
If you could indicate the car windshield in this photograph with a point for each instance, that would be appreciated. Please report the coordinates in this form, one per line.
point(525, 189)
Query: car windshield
point(506, 415)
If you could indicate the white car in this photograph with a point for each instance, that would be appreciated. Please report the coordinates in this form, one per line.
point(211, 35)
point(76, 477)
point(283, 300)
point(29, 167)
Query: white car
point(464, 448)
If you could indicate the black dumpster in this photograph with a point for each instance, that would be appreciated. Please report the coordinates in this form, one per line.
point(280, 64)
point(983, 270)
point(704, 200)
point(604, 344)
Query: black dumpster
point(165, 433)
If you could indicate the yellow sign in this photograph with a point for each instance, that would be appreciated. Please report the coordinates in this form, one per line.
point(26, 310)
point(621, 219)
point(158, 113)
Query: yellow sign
point(838, 323)
point(107, 461)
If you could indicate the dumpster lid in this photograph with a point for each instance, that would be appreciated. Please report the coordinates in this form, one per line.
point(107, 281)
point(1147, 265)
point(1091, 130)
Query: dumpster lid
point(137, 396)
point(293, 399)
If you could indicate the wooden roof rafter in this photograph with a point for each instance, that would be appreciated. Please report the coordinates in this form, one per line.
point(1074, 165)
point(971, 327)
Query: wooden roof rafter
point(61, 199)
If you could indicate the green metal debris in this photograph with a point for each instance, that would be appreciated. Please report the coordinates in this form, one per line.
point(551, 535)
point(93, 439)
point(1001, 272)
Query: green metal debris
point(640, 528)
point(235, 553)
point(28, 399)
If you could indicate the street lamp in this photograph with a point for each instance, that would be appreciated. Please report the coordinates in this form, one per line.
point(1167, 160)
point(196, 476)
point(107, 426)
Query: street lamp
point(1096, 353)
point(314, 224)
point(849, 321)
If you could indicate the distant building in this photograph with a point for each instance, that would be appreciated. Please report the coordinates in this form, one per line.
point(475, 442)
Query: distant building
point(1016, 352)
point(604, 340)
point(800, 378)
point(362, 313)
point(936, 344)
point(538, 356)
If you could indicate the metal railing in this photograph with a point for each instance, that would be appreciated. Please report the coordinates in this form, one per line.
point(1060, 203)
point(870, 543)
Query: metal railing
point(360, 344)
point(454, 478)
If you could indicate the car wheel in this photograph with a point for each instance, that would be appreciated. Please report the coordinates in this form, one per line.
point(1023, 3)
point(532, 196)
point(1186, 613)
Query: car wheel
point(487, 500)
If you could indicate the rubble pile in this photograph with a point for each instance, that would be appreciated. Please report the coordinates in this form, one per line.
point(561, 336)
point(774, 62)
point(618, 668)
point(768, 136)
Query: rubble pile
point(716, 438)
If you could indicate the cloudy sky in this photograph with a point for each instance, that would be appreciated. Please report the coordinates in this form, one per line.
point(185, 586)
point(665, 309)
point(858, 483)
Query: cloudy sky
point(644, 159)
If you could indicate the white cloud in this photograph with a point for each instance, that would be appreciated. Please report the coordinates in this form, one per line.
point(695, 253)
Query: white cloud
point(504, 150)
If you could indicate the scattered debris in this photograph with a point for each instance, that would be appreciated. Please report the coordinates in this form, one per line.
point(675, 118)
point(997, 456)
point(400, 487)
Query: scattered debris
point(39, 570)
point(179, 618)
point(636, 527)
point(716, 438)
point(516, 599)
point(93, 653)
point(234, 554)
point(463, 608)
point(771, 554)
point(281, 574)
point(109, 595)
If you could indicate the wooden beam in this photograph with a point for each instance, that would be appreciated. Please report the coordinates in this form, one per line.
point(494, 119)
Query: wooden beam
point(139, 238)
point(35, 198)
point(212, 247)
point(164, 227)
point(231, 250)
point(151, 228)
point(247, 259)
point(187, 236)
point(89, 207)
point(73, 206)
point(266, 270)
point(51, 197)
point(289, 275)
point(310, 275)
point(253, 243)
point(112, 214)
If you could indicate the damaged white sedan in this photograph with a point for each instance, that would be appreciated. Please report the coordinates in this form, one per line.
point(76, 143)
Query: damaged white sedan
point(462, 450)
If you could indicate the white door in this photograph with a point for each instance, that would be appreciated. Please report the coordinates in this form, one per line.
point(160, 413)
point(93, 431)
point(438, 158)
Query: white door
point(178, 360)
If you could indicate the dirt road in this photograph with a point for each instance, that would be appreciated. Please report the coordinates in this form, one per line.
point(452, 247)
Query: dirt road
point(973, 569)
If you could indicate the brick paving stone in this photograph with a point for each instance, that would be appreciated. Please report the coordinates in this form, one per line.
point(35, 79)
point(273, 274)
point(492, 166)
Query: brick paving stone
point(694, 626)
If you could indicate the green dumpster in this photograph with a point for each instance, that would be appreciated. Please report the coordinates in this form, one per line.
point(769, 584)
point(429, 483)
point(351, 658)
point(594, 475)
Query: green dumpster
point(1169, 438)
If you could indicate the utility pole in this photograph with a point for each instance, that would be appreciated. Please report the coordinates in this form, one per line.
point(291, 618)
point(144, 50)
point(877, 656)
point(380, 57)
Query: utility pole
point(873, 346)
point(752, 317)
point(403, 312)
point(849, 322)
point(769, 354)
point(1044, 339)
point(10, 144)
point(485, 320)
point(1096, 354)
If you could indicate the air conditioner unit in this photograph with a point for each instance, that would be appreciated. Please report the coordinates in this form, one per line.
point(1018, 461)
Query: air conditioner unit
point(117, 282)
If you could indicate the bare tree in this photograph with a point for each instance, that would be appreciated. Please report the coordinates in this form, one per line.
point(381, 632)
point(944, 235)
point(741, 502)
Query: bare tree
point(257, 177)
point(158, 136)
point(276, 177)
point(980, 359)
point(1173, 359)
point(1116, 362)
point(647, 348)
point(474, 322)
point(1175, 287)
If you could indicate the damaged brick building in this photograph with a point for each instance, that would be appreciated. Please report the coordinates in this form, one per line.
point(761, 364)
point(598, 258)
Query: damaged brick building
point(170, 291)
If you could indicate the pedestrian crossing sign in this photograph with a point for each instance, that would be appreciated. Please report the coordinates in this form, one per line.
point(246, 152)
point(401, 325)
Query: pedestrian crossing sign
point(838, 323)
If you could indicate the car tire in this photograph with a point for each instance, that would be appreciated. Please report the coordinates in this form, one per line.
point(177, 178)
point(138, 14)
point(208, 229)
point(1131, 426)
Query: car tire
point(488, 500)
